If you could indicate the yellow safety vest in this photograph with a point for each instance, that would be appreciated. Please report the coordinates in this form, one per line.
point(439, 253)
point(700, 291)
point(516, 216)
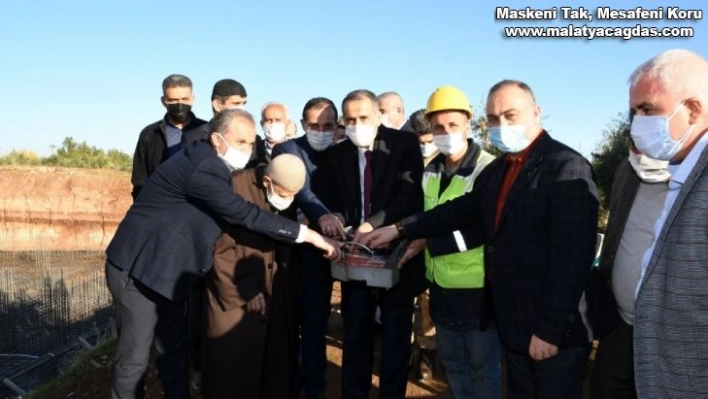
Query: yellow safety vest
point(462, 269)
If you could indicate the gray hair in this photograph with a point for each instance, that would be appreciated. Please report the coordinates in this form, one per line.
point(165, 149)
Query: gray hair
point(221, 122)
point(360, 95)
point(388, 94)
point(681, 72)
point(274, 104)
point(510, 82)
point(176, 80)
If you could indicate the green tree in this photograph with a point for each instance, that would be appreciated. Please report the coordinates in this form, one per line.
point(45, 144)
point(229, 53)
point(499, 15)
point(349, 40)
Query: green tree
point(73, 155)
point(607, 156)
point(20, 157)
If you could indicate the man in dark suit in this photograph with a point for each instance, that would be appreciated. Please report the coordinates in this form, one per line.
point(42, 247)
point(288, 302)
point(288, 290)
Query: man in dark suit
point(319, 120)
point(376, 181)
point(535, 210)
point(164, 245)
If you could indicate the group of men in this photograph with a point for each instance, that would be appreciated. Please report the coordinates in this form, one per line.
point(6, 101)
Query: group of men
point(504, 245)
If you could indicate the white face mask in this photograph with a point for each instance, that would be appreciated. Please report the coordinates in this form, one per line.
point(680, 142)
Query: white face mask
point(652, 136)
point(319, 141)
point(511, 138)
point(277, 201)
point(648, 169)
point(233, 158)
point(450, 144)
point(362, 136)
point(428, 150)
point(385, 120)
point(274, 132)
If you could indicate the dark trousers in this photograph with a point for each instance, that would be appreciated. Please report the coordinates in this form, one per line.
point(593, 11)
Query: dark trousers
point(195, 320)
point(358, 308)
point(145, 318)
point(558, 377)
point(613, 371)
point(315, 307)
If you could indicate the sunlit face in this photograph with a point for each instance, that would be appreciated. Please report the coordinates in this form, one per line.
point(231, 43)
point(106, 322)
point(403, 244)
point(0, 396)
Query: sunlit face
point(241, 136)
point(290, 130)
point(277, 189)
point(647, 97)
point(274, 114)
point(446, 122)
point(177, 95)
point(512, 105)
point(361, 112)
point(321, 119)
point(230, 102)
point(392, 107)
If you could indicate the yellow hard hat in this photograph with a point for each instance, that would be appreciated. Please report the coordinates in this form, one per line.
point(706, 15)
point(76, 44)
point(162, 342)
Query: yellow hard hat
point(448, 98)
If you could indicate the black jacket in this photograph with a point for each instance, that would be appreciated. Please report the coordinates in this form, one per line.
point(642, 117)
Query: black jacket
point(166, 239)
point(538, 261)
point(152, 145)
point(396, 193)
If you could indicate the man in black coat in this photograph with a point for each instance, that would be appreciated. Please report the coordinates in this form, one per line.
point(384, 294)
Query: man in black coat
point(535, 211)
point(164, 246)
point(376, 180)
point(166, 137)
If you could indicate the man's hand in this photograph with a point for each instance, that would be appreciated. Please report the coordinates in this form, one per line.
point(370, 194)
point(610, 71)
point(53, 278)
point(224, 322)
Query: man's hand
point(541, 350)
point(414, 247)
point(362, 230)
point(329, 246)
point(332, 226)
point(257, 304)
point(380, 237)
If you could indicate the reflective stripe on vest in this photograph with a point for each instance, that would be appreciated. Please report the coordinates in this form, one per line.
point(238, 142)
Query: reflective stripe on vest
point(464, 269)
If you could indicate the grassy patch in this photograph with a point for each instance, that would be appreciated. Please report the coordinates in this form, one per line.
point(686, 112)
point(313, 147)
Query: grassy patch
point(80, 365)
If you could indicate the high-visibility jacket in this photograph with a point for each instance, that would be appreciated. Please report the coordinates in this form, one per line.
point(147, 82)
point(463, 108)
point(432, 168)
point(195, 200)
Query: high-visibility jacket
point(465, 268)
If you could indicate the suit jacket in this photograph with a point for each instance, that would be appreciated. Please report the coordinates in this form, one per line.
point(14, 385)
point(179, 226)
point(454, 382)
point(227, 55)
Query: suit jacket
point(260, 154)
point(396, 192)
point(602, 307)
point(308, 199)
point(166, 239)
point(538, 261)
point(671, 314)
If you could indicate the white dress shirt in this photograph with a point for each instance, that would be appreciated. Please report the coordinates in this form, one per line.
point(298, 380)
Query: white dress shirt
point(679, 174)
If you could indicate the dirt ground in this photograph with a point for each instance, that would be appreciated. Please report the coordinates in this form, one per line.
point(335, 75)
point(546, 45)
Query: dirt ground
point(94, 379)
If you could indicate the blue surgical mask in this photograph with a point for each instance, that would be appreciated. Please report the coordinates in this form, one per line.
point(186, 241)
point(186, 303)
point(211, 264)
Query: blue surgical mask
point(319, 140)
point(511, 138)
point(652, 136)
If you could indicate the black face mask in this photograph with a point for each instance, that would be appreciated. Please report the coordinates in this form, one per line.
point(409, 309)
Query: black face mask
point(179, 112)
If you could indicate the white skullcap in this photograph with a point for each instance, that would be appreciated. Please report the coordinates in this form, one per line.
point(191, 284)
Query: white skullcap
point(287, 171)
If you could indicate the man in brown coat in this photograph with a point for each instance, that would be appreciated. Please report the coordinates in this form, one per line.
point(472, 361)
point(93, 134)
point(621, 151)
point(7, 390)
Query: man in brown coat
point(251, 290)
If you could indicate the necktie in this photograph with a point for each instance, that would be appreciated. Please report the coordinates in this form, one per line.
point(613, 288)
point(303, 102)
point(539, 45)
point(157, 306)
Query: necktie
point(368, 181)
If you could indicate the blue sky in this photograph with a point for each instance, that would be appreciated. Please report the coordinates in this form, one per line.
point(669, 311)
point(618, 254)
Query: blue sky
point(93, 69)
